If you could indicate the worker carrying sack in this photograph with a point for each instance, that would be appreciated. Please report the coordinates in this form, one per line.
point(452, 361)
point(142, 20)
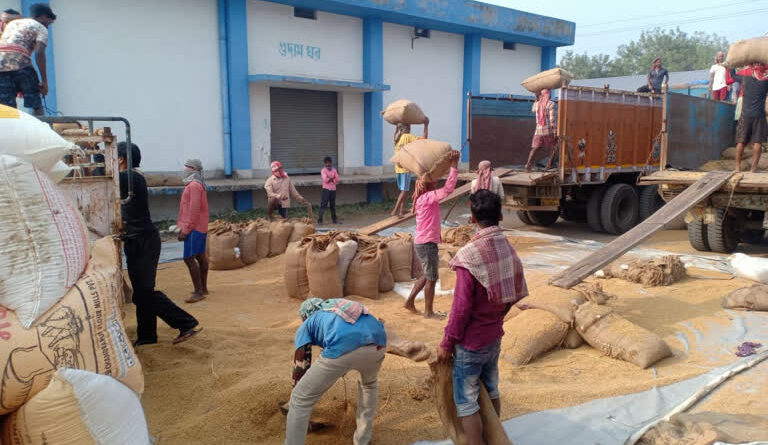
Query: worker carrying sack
point(363, 274)
point(429, 160)
point(43, 240)
point(280, 234)
point(403, 111)
point(748, 51)
point(400, 248)
point(753, 298)
point(549, 79)
point(79, 407)
point(295, 276)
point(531, 334)
point(322, 268)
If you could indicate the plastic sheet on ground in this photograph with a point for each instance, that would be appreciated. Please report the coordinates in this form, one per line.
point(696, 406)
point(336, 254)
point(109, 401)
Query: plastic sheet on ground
point(404, 290)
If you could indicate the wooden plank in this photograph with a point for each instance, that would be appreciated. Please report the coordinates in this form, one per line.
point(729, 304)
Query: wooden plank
point(707, 185)
point(393, 221)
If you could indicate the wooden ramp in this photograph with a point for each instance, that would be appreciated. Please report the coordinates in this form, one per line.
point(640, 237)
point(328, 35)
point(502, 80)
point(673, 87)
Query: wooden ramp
point(702, 188)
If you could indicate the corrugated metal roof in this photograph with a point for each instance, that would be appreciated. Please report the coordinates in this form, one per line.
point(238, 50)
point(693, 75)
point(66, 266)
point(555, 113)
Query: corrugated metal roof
point(632, 83)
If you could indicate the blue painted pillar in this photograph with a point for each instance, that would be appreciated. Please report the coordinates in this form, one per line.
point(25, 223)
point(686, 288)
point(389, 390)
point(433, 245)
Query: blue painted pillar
point(472, 50)
point(373, 73)
point(548, 57)
point(239, 96)
point(51, 103)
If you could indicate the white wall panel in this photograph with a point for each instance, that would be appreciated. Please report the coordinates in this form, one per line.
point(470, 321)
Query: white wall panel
point(502, 70)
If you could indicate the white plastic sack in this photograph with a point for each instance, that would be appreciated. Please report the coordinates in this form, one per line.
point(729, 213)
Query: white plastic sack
point(751, 268)
point(79, 407)
point(347, 251)
point(43, 240)
point(26, 137)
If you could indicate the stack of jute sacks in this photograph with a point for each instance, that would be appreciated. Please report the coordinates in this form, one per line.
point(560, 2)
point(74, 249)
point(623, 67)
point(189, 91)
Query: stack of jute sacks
point(336, 264)
point(234, 245)
point(427, 159)
point(70, 375)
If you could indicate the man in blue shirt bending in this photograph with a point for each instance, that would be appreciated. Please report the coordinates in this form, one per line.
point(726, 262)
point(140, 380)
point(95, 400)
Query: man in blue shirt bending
point(352, 339)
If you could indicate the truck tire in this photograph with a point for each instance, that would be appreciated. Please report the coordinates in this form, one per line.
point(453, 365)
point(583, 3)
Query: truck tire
point(594, 202)
point(523, 216)
point(723, 235)
point(542, 217)
point(697, 235)
point(573, 213)
point(650, 201)
point(619, 210)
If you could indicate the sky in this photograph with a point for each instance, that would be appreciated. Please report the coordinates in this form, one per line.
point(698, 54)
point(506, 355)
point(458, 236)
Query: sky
point(602, 26)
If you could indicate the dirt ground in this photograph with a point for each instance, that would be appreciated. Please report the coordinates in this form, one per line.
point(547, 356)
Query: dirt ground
point(224, 386)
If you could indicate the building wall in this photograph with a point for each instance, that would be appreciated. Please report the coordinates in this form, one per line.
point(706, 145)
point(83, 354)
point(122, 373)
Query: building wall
point(351, 136)
point(12, 4)
point(502, 70)
point(272, 26)
point(136, 60)
point(260, 128)
point(429, 74)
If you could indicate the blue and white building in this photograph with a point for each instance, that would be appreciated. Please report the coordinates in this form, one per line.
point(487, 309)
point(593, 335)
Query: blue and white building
point(240, 83)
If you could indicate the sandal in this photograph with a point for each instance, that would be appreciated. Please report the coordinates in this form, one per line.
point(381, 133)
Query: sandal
point(186, 335)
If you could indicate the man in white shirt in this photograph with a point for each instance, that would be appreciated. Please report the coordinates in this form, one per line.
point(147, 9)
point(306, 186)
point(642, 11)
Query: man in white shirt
point(718, 89)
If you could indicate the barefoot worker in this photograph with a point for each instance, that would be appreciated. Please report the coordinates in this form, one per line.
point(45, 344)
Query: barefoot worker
point(402, 138)
point(545, 135)
point(489, 280)
point(426, 206)
point(193, 223)
point(352, 339)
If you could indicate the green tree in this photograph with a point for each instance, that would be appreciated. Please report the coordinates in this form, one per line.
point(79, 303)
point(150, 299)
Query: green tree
point(584, 66)
point(679, 51)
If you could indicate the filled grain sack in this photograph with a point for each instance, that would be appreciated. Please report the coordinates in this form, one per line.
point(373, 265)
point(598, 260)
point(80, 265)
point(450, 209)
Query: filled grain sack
point(400, 253)
point(410, 349)
point(403, 111)
point(705, 428)
point(730, 152)
point(425, 158)
point(31, 140)
point(557, 301)
point(347, 252)
point(79, 407)
point(323, 269)
point(748, 51)
point(753, 298)
point(280, 234)
point(550, 79)
point(363, 274)
point(749, 267)
point(386, 281)
point(84, 330)
point(295, 275)
point(442, 392)
point(530, 334)
point(254, 242)
point(618, 337)
point(301, 228)
point(662, 271)
point(43, 240)
point(447, 278)
point(223, 249)
point(573, 340)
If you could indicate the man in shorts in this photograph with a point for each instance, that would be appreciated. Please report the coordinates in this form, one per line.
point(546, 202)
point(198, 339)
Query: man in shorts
point(402, 138)
point(193, 225)
point(752, 127)
point(20, 38)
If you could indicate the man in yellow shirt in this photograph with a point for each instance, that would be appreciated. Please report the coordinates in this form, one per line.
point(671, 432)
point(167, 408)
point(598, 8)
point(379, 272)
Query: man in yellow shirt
point(402, 138)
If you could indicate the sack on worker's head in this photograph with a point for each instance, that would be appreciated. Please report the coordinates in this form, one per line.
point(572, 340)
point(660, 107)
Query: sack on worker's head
point(280, 234)
point(223, 248)
point(79, 407)
point(254, 242)
point(560, 302)
point(386, 281)
point(748, 51)
point(753, 298)
point(403, 111)
point(400, 252)
point(425, 158)
point(530, 334)
point(347, 252)
point(301, 228)
point(43, 240)
point(549, 79)
point(295, 276)
point(323, 268)
point(31, 140)
point(84, 330)
point(661, 271)
point(363, 274)
point(618, 337)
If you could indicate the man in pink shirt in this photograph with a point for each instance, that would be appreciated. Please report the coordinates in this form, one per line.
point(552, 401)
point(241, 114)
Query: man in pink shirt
point(193, 223)
point(426, 206)
point(330, 178)
point(489, 280)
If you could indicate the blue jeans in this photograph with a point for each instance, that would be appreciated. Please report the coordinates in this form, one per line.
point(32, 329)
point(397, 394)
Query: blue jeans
point(469, 367)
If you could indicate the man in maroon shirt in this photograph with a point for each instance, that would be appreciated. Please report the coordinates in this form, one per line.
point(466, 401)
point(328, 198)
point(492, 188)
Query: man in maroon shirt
point(489, 280)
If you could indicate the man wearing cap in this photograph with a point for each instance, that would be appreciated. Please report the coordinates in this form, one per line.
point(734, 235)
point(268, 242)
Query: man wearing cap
point(193, 226)
point(279, 191)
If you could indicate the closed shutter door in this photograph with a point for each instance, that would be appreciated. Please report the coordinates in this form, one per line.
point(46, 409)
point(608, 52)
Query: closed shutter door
point(304, 128)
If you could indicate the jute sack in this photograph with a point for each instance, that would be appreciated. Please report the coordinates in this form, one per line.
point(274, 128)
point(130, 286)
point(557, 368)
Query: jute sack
point(301, 228)
point(555, 300)
point(550, 79)
point(427, 159)
point(295, 275)
point(79, 407)
point(254, 239)
point(400, 252)
point(323, 269)
point(223, 248)
point(31, 140)
point(386, 281)
point(730, 152)
point(531, 334)
point(43, 240)
point(573, 340)
point(410, 349)
point(619, 338)
point(84, 330)
point(493, 431)
point(363, 274)
point(661, 271)
point(753, 298)
point(403, 111)
point(280, 234)
point(447, 278)
point(745, 52)
point(347, 252)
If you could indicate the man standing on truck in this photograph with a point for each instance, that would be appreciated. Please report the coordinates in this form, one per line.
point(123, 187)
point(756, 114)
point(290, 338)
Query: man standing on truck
point(19, 40)
point(657, 77)
point(752, 127)
point(7, 17)
point(718, 88)
point(545, 135)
